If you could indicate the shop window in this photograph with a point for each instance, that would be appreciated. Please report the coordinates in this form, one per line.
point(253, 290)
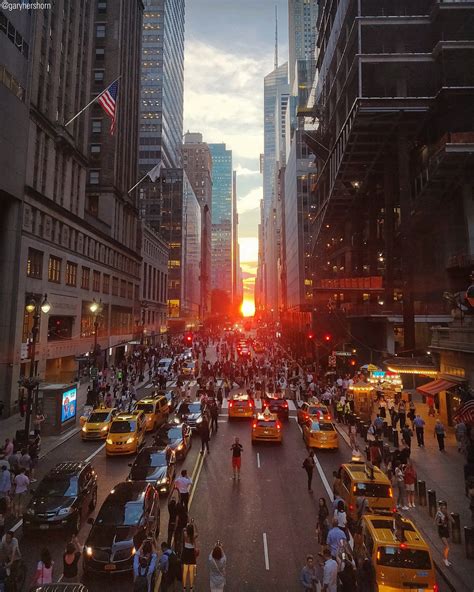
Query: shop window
point(54, 269)
point(34, 265)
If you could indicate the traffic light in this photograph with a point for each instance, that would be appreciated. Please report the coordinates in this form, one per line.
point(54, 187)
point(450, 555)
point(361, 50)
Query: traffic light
point(327, 337)
point(352, 362)
point(188, 339)
point(310, 335)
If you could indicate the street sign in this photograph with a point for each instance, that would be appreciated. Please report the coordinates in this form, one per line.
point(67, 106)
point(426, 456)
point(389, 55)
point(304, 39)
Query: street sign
point(343, 353)
point(332, 360)
point(24, 351)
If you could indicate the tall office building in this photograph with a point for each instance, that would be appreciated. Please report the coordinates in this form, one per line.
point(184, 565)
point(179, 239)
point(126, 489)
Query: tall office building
point(162, 83)
point(197, 163)
point(222, 214)
point(302, 20)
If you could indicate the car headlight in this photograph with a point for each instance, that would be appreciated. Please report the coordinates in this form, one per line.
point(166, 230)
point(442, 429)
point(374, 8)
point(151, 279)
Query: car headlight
point(180, 447)
point(89, 551)
point(84, 429)
point(104, 429)
point(163, 481)
point(109, 441)
point(64, 511)
point(131, 440)
point(30, 512)
point(199, 420)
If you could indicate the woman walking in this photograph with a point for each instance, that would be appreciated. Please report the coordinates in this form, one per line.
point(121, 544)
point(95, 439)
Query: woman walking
point(323, 524)
point(44, 569)
point(189, 556)
point(410, 480)
point(442, 520)
point(71, 558)
point(217, 565)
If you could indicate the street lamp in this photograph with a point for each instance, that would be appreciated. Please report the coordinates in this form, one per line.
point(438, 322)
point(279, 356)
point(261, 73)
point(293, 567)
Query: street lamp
point(96, 309)
point(144, 306)
point(31, 383)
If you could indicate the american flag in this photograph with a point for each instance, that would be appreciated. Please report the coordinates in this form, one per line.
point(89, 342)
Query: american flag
point(108, 101)
point(465, 413)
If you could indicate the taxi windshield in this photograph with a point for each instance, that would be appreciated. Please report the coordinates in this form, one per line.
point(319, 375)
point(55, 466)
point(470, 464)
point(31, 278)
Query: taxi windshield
point(98, 417)
point(123, 427)
point(146, 407)
point(373, 489)
point(321, 427)
point(316, 411)
point(405, 558)
point(175, 433)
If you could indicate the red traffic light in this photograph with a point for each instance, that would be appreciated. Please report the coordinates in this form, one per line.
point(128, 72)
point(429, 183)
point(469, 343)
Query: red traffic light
point(188, 338)
point(353, 362)
point(327, 337)
point(310, 335)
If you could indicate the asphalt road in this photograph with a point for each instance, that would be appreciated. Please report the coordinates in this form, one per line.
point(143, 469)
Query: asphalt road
point(266, 521)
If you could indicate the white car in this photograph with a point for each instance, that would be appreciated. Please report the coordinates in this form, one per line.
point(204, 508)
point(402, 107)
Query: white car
point(164, 365)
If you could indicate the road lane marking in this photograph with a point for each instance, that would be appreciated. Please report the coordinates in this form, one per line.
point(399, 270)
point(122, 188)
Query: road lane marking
point(91, 456)
point(265, 552)
point(258, 459)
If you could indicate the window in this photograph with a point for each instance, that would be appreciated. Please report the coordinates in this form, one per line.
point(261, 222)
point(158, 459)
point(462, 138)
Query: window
point(96, 281)
point(93, 205)
point(98, 75)
point(102, 7)
point(94, 177)
point(123, 288)
point(106, 283)
point(115, 286)
point(86, 276)
point(96, 126)
point(99, 53)
point(54, 269)
point(95, 148)
point(71, 273)
point(100, 30)
point(34, 265)
point(130, 290)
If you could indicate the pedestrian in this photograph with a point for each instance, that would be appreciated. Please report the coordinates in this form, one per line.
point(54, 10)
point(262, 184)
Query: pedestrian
point(439, 434)
point(8, 448)
point(144, 565)
point(172, 519)
point(182, 520)
point(340, 516)
point(460, 432)
point(170, 567)
point(442, 521)
point(407, 435)
point(20, 484)
point(362, 505)
point(5, 482)
point(217, 568)
point(346, 570)
point(353, 435)
point(189, 556)
point(329, 572)
point(322, 526)
point(71, 558)
point(44, 569)
point(308, 466)
point(38, 421)
point(409, 476)
point(400, 482)
point(402, 413)
point(337, 483)
point(214, 417)
point(308, 576)
point(183, 485)
point(236, 457)
point(204, 433)
point(334, 538)
point(419, 424)
point(375, 455)
point(430, 403)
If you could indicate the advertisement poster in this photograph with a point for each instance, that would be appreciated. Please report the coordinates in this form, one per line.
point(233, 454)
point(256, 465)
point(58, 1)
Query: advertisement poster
point(68, 408)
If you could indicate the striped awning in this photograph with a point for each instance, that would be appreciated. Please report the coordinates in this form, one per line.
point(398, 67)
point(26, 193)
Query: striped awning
point(436, 386)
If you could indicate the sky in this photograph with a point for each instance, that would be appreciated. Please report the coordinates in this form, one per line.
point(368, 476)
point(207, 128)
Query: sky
point(229, 50)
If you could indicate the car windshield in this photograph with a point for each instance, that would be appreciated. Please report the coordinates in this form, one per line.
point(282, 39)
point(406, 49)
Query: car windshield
point(403, 558)
point(373, 489)
point(145, 407)
point(60, 487)
point(98, 417)
point(195, 408)
point(155, 459)
point(175, 433)
point(276, 402)
point(123, 427)
point(118, 514)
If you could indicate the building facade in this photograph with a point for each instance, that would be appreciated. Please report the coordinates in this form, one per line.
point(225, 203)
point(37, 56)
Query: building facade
point(392, 226)
point(197, 162)
point(302, 23)
point(222, 218)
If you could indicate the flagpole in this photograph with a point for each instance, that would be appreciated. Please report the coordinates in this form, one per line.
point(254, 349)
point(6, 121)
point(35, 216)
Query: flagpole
point(93, 101)
point(138, 183)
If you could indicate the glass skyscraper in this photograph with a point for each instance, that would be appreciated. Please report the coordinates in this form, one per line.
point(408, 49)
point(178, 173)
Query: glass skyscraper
point(162, 83)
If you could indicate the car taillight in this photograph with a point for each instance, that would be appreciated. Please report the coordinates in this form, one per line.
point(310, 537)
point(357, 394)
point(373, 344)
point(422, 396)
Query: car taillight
point(254, 425)
point(394, 510)
point(351, 507)
point(251, 403)
point(285, 405)
point(435, 588)
point(231, 403)
point(328, 417)
point(403, 545)
point(278, 426)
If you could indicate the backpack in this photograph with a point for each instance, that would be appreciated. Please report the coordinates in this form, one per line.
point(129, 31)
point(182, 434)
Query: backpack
point(141, 581)
point(174, 568)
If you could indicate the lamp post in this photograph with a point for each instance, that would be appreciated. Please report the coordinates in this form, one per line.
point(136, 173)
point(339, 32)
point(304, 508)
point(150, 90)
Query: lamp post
point(96, 309)
point(31, 382)
point(144, 306)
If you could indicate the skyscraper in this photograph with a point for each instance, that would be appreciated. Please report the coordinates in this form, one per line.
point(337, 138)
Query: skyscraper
point(302, 19)
point(221, 266)
point(162, 81)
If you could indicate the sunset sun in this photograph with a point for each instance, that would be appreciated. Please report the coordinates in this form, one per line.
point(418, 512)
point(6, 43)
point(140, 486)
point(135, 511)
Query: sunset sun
point(248, 308)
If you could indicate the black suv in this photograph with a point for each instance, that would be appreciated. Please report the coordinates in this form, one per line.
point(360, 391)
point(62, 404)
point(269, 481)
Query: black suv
point(63, 498)
point(129, 515)
point(155, 464)
point(277, 404)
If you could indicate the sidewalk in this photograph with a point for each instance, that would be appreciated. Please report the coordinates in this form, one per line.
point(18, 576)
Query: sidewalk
point(443, 473)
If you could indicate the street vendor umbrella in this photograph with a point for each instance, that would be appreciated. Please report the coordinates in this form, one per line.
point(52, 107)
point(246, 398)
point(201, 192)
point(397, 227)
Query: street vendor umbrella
point(370, 367)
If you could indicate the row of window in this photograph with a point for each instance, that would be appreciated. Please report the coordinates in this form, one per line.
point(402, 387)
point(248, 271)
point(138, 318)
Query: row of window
point(9, 30)
point(34, 269)
point(11, 83)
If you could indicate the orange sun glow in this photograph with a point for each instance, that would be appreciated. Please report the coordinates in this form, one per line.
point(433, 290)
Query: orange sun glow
point(248, 308)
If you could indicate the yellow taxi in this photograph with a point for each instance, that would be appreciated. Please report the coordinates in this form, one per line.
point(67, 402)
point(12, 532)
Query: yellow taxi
point(312, 409)
point(241, 405)
point(156, 410)
point(266, 427)
point(363, 479)
point(320, 434)
point(97, 425)
point(188, 369)
point(399, 554)
point(126, 433)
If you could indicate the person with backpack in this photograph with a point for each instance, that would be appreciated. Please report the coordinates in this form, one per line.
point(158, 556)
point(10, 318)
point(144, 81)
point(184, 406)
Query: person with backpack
point(170, 567)
point(144, 565)
point(442, 521)
point(308, 466)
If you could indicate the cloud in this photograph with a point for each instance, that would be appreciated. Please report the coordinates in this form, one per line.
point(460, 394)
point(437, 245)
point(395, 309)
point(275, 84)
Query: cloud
point(245, 172)
point(250, 201)
point(224, 97)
